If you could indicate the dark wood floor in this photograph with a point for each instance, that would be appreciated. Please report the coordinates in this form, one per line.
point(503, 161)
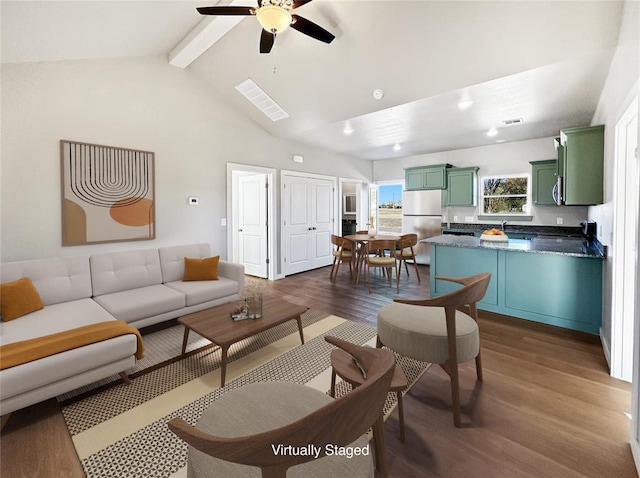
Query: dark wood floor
point(547, 406)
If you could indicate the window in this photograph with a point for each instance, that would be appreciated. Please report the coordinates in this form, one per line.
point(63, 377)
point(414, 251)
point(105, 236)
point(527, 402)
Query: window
point(505, 194)
point(390, 209)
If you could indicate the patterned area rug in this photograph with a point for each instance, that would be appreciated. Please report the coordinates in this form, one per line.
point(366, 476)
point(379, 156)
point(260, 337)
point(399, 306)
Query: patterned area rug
point(122, 431)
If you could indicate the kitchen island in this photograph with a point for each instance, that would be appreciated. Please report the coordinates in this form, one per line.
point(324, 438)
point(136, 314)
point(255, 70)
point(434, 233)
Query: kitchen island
point(557, 281)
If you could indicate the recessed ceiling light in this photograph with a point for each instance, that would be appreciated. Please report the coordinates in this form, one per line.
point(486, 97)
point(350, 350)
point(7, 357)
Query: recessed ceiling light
point(464, 104)
point(492, 132)
point(378, 94)
point(347, 130)
point(397, 147)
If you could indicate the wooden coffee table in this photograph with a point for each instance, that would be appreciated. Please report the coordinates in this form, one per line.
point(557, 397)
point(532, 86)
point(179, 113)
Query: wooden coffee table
point(216, 324)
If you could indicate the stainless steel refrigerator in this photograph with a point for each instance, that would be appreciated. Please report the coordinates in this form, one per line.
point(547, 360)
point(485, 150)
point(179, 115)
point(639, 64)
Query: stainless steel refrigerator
point(422, 215)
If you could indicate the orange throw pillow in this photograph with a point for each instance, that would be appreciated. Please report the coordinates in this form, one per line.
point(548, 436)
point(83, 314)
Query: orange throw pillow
point(201, 269)
point(19, 298)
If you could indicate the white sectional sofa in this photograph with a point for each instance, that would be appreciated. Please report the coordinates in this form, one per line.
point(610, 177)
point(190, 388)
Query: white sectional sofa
point(141, 287)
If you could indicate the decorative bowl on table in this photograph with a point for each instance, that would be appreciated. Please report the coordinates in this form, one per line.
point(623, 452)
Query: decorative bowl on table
point(494, 235)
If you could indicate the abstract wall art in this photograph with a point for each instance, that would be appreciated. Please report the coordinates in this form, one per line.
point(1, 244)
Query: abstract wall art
point(108, 194)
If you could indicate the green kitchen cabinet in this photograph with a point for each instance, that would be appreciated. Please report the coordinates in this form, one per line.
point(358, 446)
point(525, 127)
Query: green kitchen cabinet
point(582, 168)
point(426, 177)
point(554, 289)
point(543, 174)
point(462, 187)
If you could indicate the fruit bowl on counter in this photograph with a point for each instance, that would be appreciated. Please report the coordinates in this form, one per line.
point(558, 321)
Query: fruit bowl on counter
point(495, 235)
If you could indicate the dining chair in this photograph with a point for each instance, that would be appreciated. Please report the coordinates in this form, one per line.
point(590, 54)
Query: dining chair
point(387, 263)
point(405, 252)
point(245, 426)
point(344, 252)
point(434, 330)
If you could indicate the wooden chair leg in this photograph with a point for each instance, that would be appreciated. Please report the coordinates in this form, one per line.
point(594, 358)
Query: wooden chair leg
point(332, 392)
point(415, 263)
point(379, 343)
point(479, 367)
point(406, 267)
point(400, 415)
point(455, 395)
point(333, 268)
point(335, 276)
point(380, 448)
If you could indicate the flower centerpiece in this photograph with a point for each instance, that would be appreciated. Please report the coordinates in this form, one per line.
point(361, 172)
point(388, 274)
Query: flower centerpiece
point(253, 295)
point(372, 226)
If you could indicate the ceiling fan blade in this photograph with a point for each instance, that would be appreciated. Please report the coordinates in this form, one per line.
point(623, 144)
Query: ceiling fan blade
point(299, 3)
point(226, 10)
point(266, 41)
point(309, 28)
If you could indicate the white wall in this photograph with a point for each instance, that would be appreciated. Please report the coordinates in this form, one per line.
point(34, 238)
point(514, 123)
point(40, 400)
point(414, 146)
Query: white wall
point(506, 158)
point(621, 86)
point(132, 103)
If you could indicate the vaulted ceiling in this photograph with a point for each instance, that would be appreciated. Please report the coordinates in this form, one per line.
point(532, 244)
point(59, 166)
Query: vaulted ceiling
point(542, 62)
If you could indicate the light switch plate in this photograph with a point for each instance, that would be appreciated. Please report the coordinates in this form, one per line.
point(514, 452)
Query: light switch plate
point(223, 221)
point(193, 201)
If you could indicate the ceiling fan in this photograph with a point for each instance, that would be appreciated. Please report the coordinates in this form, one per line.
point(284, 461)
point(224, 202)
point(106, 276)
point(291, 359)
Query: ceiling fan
point(274, 16)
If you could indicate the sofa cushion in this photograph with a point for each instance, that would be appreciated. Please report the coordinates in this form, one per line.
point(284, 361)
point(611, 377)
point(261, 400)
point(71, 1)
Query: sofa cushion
point(198, 292)
point(143, 302)
point(57, 280)
point(53, 319)
point(201, 269)
point(172, 259)
point(18, 298)
point(123, 271)
point(45, 372)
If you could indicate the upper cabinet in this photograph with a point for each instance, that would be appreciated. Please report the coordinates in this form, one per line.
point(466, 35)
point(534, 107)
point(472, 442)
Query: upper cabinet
point(426, 177)
point(581, 165)
point(544, 179)
point(461, 187)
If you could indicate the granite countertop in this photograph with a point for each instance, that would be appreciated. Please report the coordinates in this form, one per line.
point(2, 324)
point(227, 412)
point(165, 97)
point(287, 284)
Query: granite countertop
point(567, 246)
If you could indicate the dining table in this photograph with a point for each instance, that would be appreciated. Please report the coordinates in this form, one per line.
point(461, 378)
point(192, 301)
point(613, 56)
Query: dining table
point(361, 240)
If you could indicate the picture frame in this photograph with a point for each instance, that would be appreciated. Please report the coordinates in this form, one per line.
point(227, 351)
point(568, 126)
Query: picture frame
point(108, 194)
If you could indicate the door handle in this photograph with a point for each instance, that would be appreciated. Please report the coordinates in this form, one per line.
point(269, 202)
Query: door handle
point(311, 229)
point(314, 228)
point(239, 230)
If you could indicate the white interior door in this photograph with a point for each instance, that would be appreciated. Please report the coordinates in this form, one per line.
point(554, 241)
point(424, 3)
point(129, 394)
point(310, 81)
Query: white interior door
point(252, 224)
point(308, 222)
point(297, 220)
point(322, 194)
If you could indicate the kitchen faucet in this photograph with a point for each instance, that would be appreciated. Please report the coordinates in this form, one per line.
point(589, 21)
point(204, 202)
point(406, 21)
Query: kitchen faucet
point(504, 223)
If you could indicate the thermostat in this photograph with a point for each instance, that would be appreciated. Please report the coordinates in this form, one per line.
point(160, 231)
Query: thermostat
point(193, 201)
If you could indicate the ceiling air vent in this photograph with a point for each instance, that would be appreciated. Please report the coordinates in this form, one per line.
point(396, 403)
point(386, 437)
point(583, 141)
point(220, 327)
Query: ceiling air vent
point(513, 121)
point(261, 100)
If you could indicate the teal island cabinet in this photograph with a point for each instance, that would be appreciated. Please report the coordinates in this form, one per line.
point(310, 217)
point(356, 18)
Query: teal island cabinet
point(553, 281)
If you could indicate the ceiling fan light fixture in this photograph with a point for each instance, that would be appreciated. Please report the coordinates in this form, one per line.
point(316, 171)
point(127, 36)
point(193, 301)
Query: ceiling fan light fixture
point(273, 18)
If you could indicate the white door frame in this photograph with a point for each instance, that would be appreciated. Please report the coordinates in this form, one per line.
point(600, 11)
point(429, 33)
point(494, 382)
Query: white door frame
point(624, 206)
point(359, 215)
point(271, 213)
point(634, 435)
